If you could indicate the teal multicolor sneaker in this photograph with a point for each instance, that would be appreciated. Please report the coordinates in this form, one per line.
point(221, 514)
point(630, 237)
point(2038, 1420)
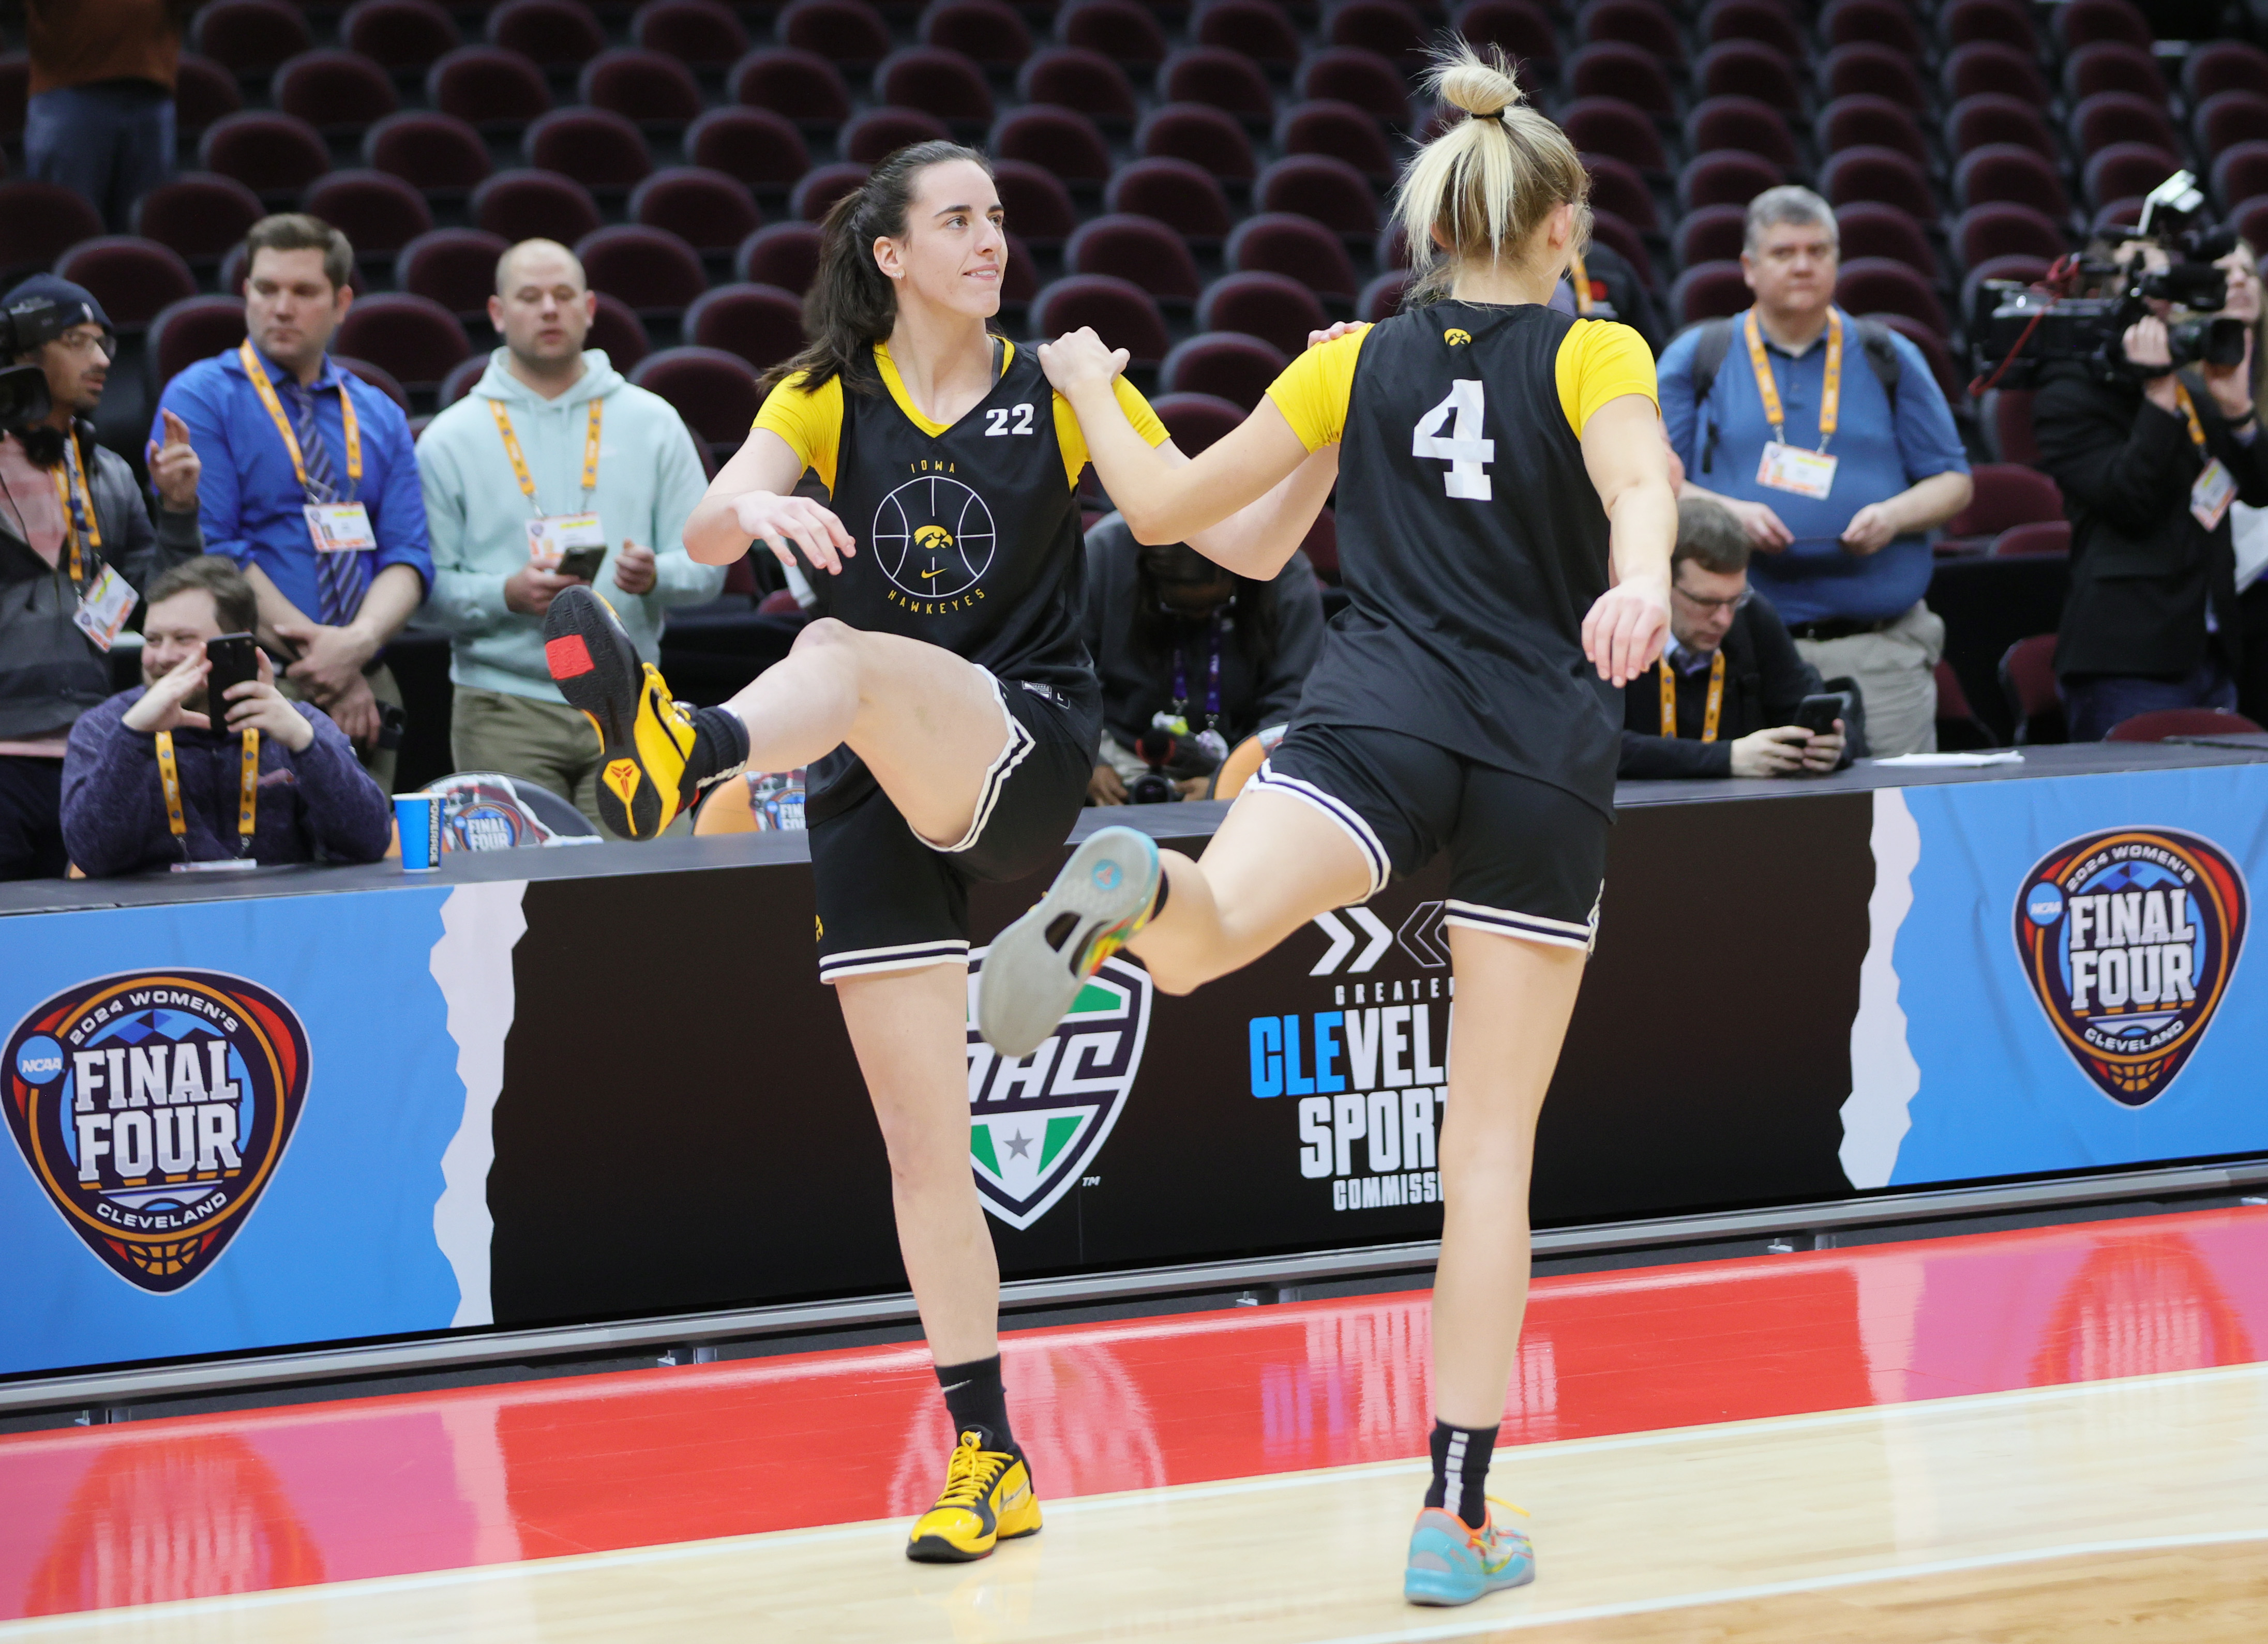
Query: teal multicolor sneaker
point(1035, 968)
point(1453, 1564)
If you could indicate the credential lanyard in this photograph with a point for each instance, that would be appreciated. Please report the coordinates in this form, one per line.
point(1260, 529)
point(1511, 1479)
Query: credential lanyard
point(78, 508)
point(2188, 410)
point(1581, 282)
point(1212, 680)
point(1716, 698)
point(1830, 393)
point(266, 390)
point(519, 461)
point(247, 789)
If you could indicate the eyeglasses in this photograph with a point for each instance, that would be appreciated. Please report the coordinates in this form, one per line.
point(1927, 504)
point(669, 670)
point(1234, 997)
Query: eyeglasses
point(85, 341)
point(1735, 603)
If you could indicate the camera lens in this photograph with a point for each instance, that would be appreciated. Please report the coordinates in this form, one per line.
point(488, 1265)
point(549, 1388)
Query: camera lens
point(23, 397)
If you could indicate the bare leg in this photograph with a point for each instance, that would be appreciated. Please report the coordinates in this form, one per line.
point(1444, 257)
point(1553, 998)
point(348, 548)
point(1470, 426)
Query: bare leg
point(908, 1028)
point(1516, 998)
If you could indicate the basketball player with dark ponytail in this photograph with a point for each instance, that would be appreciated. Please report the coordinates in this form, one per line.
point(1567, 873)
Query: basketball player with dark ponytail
point(943, 701)
point(1504, 526)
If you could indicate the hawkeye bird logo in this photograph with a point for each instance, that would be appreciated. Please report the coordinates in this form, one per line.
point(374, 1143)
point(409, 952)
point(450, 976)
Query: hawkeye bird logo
point(1036, 1125)
point(934, 540)
point(1456, 337)
point(2129, 938)
point(153, 1107)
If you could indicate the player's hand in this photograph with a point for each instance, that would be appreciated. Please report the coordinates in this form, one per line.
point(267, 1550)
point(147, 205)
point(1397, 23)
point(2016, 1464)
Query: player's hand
point(1776, 751)
point(1316, 339)
point(1077, 362)
point(257, 705)
point(786, 523)
point(1766, 529)
point(1870, 531)
point(1623, 632)
point(1104, 787)
point(635, 570)
point(160, 707)
point(531, 590)
point(174, 467)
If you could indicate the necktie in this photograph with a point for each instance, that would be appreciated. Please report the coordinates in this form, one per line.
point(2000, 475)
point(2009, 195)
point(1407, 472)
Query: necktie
point(341, 579)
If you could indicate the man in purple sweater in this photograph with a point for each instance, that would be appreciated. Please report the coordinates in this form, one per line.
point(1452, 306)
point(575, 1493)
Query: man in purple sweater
point(312, 800)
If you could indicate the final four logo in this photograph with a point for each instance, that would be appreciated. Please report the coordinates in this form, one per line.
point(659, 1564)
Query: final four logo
point(2129, 937)
point(1036, 1124)
point(153, 1107)
point(934, 538)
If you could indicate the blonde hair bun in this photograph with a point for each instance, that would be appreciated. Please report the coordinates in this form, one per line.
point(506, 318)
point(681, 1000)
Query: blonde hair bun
point(1463, 79)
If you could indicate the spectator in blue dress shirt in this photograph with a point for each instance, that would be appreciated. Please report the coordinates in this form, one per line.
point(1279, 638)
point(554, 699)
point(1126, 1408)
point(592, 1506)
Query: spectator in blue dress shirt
point(1839, 518)
point(331, 613)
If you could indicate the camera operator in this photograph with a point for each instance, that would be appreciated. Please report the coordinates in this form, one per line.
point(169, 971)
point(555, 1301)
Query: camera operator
point(2249, 525)
point(1176, 638)
point(2150, 458)
point(76, 546)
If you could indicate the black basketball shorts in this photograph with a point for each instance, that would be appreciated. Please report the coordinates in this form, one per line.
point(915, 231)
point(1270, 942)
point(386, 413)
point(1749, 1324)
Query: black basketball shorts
point(1526, 858)
point(891, 901)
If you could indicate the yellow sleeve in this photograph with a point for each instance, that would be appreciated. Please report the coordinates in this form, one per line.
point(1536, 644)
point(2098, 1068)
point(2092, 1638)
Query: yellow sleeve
point(1600, 361)
point(810, 423)
point(1073, 442)
point(1315, 389)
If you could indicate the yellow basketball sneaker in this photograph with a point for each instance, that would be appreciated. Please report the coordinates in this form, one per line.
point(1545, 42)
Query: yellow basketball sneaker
point(987, 1497)
point(648, 744)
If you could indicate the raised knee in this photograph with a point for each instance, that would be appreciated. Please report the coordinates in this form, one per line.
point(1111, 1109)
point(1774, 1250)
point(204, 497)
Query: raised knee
point(825, 633)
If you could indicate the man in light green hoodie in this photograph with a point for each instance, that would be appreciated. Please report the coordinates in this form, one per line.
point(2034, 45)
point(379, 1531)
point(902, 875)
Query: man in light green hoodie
point(552, 452)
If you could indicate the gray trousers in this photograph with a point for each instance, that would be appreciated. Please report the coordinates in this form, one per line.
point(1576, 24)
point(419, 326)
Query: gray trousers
point(1897, 670)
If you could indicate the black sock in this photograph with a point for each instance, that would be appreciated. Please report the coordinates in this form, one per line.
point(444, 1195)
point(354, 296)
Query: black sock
point(976, 1398)
point(1461, 1464)
point(720, 746)
point(1157, 902)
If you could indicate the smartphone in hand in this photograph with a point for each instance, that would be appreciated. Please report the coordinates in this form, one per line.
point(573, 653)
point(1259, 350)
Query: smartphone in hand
point(235, 659)
point(583, 562)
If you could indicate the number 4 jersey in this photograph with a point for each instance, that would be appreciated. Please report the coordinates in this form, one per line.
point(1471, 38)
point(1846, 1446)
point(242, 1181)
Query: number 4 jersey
point(1470, 535)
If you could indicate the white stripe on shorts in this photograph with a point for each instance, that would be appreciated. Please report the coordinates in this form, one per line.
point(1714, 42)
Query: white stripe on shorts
point(1559, 933)
point(1339, 811)
point(1020, 743)
point(905, 956)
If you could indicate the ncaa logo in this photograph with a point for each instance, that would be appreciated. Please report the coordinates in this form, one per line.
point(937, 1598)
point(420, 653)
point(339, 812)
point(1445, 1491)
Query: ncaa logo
point(1036, 1125)
point(2129, 937)
point(933, 538)
point(152, 1107)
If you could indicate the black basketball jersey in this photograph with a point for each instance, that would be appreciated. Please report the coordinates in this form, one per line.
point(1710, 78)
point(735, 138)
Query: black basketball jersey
point(1473, 544)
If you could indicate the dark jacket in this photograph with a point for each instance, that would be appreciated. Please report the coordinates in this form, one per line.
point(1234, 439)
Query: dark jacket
point(1617, 282)
point(2142, 568)
point(1137, 685)
point(1764, 681)
point(50, 674)
point(313, 806)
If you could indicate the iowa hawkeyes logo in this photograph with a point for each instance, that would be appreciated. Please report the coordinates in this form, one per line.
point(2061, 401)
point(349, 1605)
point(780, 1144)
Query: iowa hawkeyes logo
point(1455, 337)
point(933, 538)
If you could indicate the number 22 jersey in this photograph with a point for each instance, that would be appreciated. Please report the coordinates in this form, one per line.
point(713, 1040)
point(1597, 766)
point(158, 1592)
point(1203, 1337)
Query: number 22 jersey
point(1470, 536)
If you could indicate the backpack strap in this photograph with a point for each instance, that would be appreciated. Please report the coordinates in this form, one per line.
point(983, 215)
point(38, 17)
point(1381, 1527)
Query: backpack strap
point(1709, 351)
point(1881, 357)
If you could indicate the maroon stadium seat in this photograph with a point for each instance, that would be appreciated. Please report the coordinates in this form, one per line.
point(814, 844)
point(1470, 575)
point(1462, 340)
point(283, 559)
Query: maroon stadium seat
point(1737, 122)
point(1340, 131)
point(1865, 121)
point(700, 34)
point(2008, 172)
point(708, 211)
point(822, 186)
point(1867, 66)
point(1071, 77)
point(2027, 680)
point(194, 328)
point(399, 33)
point(1607, 125)
point(491, 89)
point(2249, 218)
point(1388, 27)
point(1885, 22)
point(432, 153)
point(802, 86)
point(1233, 366)
point(1192, 131)
point(2006, 229)
point(2164, 723)
point(1183, 195)
point(1986, 65)
point(1712, 234)
point(763, 324)
point(1138, 248)
point(203, 91)
point(987, 32)
point(1997, 117)
point(273, 155)
point(714, 391)
point(2005, 417)
point(2120, 213)
point(1121, 30)
point(378, 378)
point(1614, 69)
point(2044, 536)
point(1331, 192)
point(1708, 290)
point(1523, 28)
point(937, 82)
point(1618, 235)
point(2112, 65)
point(1961, 22)
point(1726, 177)
point(2227, 118)
point(1198, 420)
point(454, 266)
point(652, 271)
point(1276, 242)
point(1867, 228)
point(1763, 20)
point(1277, 308)
point(617, 329)
point(1617, 188)
point(198, 215)
point(333, 90)
point(1381, 298)
point(2223, 65)
point(650, 87)
point(551, 34)
point(1038, 205)
point(2125, 170)
point(2110, 117)
point(132, 278)
point(763, 148)
point(877, 132)
point(1256, 29)
point(1639, 23)
point(1876, 285)
point(376, 210)
point(534, 205)
point(1934, 347)
point(248, 36)
point(1063, 140)
point(1123, 315)
point(2082, 22)
point(841, 31)
point(1347, 74)
point(2240, 173)
point(1745, 67)
point(1219, 78)
point(412, 337)
point(783, 255)
point(2006, 495)
point(597, 148)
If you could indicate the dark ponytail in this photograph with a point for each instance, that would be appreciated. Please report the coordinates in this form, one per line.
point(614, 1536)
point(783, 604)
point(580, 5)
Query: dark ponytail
point(852, 304)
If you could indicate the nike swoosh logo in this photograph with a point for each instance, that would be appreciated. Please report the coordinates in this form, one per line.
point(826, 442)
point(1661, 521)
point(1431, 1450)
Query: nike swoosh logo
point(955, 1388)
point(939, 571)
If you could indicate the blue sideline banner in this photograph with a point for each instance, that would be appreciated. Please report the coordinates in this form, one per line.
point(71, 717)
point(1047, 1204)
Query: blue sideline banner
point(2057, 978)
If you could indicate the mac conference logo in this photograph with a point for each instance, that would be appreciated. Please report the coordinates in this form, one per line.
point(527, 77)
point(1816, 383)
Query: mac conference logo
point(153, 1107)
point(2129, 937)
point(1036, 1125)
point(933, 538)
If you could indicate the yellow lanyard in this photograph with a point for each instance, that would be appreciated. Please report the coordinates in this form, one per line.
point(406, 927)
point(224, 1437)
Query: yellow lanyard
point(78, 510)
point(2188, 410)
point(266, 390)
point(519, 463)
point(1830, 393)
point(1716, 698)
point(1581, 282)
point(247, 788)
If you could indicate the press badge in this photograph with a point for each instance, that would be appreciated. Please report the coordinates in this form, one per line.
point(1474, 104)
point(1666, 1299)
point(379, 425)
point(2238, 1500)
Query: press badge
point(340, 528)
point(1791, 469)
point(103, 607)
point(2211, 496)
point(550, 537)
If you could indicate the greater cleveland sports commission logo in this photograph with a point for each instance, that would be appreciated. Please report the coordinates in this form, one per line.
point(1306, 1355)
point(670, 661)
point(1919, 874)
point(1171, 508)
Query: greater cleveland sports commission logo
point(152, 1107)
point(2129, 937)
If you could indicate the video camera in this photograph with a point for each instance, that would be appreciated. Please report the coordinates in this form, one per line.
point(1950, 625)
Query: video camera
point(33, 323)
point(1172, 758)
point(2016, 329)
